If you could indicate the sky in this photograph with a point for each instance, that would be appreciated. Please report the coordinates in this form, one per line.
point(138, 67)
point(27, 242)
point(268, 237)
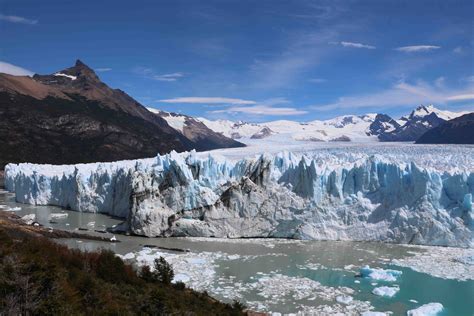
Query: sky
point(255, 60)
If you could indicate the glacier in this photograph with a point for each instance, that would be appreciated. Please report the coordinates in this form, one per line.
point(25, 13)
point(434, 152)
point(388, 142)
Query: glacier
point(320, 196)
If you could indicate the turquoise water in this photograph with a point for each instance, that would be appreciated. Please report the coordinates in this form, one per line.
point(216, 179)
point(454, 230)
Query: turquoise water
point(322, 261)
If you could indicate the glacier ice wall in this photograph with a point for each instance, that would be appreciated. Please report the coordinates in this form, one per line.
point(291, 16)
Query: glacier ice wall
point(283, 195)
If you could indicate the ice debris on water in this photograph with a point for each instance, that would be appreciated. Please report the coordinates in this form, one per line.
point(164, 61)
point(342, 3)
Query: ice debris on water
point(386, 291)
point(59, 215)
point(441, 262)
point(387, 275)
point(430, 309)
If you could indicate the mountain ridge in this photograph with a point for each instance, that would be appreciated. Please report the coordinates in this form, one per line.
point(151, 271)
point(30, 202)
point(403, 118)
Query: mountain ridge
point(71, 116)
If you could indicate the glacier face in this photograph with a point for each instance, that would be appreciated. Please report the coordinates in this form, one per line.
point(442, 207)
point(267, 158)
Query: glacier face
point(319, 196)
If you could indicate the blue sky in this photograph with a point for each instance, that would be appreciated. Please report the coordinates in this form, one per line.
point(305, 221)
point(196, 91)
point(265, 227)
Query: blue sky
point(255, 60)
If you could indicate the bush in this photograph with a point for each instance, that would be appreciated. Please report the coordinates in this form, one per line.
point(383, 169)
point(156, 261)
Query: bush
point(179, 285)
point(40, 277)
point(163, 271)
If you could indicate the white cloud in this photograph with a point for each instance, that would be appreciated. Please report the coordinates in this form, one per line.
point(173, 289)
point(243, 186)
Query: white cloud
point(208, 100)
point(168, 77)
point(357, 45)
point(150, 74)
point(14, 70)
point(264, 110)
point(17, 19)
point(461, 97)
point(417, 48)
point(103, 69)
point(401, 94)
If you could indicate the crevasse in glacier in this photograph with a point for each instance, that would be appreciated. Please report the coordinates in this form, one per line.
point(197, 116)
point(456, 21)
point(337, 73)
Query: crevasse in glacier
point(367, 197)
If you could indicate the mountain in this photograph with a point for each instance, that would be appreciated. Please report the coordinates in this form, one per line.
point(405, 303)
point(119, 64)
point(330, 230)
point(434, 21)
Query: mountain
point(356, 128)
point(420, 120)
point(72, 117)
point(382, 124)
point(195, 130)
point(459, 130)
point(342, 128)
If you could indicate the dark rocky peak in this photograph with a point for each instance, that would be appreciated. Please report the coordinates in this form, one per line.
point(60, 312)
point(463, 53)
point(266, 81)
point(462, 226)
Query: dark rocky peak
point(382, 123)
point(72, 76)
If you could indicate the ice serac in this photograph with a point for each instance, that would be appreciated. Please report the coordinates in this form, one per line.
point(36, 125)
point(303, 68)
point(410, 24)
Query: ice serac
point(320, 196)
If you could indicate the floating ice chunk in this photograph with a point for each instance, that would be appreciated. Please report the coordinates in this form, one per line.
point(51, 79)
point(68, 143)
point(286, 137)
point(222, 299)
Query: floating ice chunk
point(344, 299)
point(59, 215)
point(128, 256)
point(113, 238)
point(13, 209)
point(430, 309)
point(181, 277)
point(357, 281)
point(386, 291)
point(233, 257)
point(380, 274)
point(370, 313)
point(414, 301)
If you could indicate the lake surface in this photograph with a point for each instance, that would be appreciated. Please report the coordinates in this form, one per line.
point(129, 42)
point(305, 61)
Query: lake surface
point(286, 276)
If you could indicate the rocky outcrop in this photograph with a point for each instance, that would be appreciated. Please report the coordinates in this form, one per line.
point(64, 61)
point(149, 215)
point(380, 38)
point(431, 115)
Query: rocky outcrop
point(456, 131)
point(72, 117)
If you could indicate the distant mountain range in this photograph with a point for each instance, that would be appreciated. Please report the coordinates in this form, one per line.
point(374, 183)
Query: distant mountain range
point(71, 116)
point(360, 128)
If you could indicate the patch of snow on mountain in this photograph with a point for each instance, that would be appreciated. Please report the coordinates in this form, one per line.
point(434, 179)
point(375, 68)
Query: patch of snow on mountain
point(65, 75)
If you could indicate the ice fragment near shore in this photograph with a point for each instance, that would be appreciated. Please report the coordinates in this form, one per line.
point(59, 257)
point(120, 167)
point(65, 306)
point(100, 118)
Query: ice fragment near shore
point(386, 291)
point(387, 275)
point(430, 309)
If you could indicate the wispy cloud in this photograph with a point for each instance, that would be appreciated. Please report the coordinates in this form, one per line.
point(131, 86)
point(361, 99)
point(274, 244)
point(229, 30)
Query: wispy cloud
point(262, 110)
point(150, 74)
point(207, 100)
point(169, 77)
point(458, 50)
point(417, 48)
point(105, 69)
point(401, 94)
point(17, 19)
point(355, 45)
point(10, 69)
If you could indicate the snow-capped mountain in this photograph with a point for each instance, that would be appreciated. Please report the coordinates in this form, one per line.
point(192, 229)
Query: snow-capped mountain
point(196, 131)
point(420, 120)
point(359, 128)
point(71, 116)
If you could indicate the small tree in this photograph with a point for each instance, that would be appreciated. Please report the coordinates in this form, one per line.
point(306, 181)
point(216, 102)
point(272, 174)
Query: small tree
point(163, 271)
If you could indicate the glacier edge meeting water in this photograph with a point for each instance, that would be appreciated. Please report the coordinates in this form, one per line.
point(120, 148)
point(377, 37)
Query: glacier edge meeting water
point(321, 196)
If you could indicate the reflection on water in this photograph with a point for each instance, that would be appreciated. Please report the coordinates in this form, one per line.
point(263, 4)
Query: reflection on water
point(255, 271)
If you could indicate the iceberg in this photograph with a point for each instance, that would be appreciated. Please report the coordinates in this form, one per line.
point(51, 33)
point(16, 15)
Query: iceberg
point(319, 196)
point(387, 275)
point(386, 291)
point(430, 309)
